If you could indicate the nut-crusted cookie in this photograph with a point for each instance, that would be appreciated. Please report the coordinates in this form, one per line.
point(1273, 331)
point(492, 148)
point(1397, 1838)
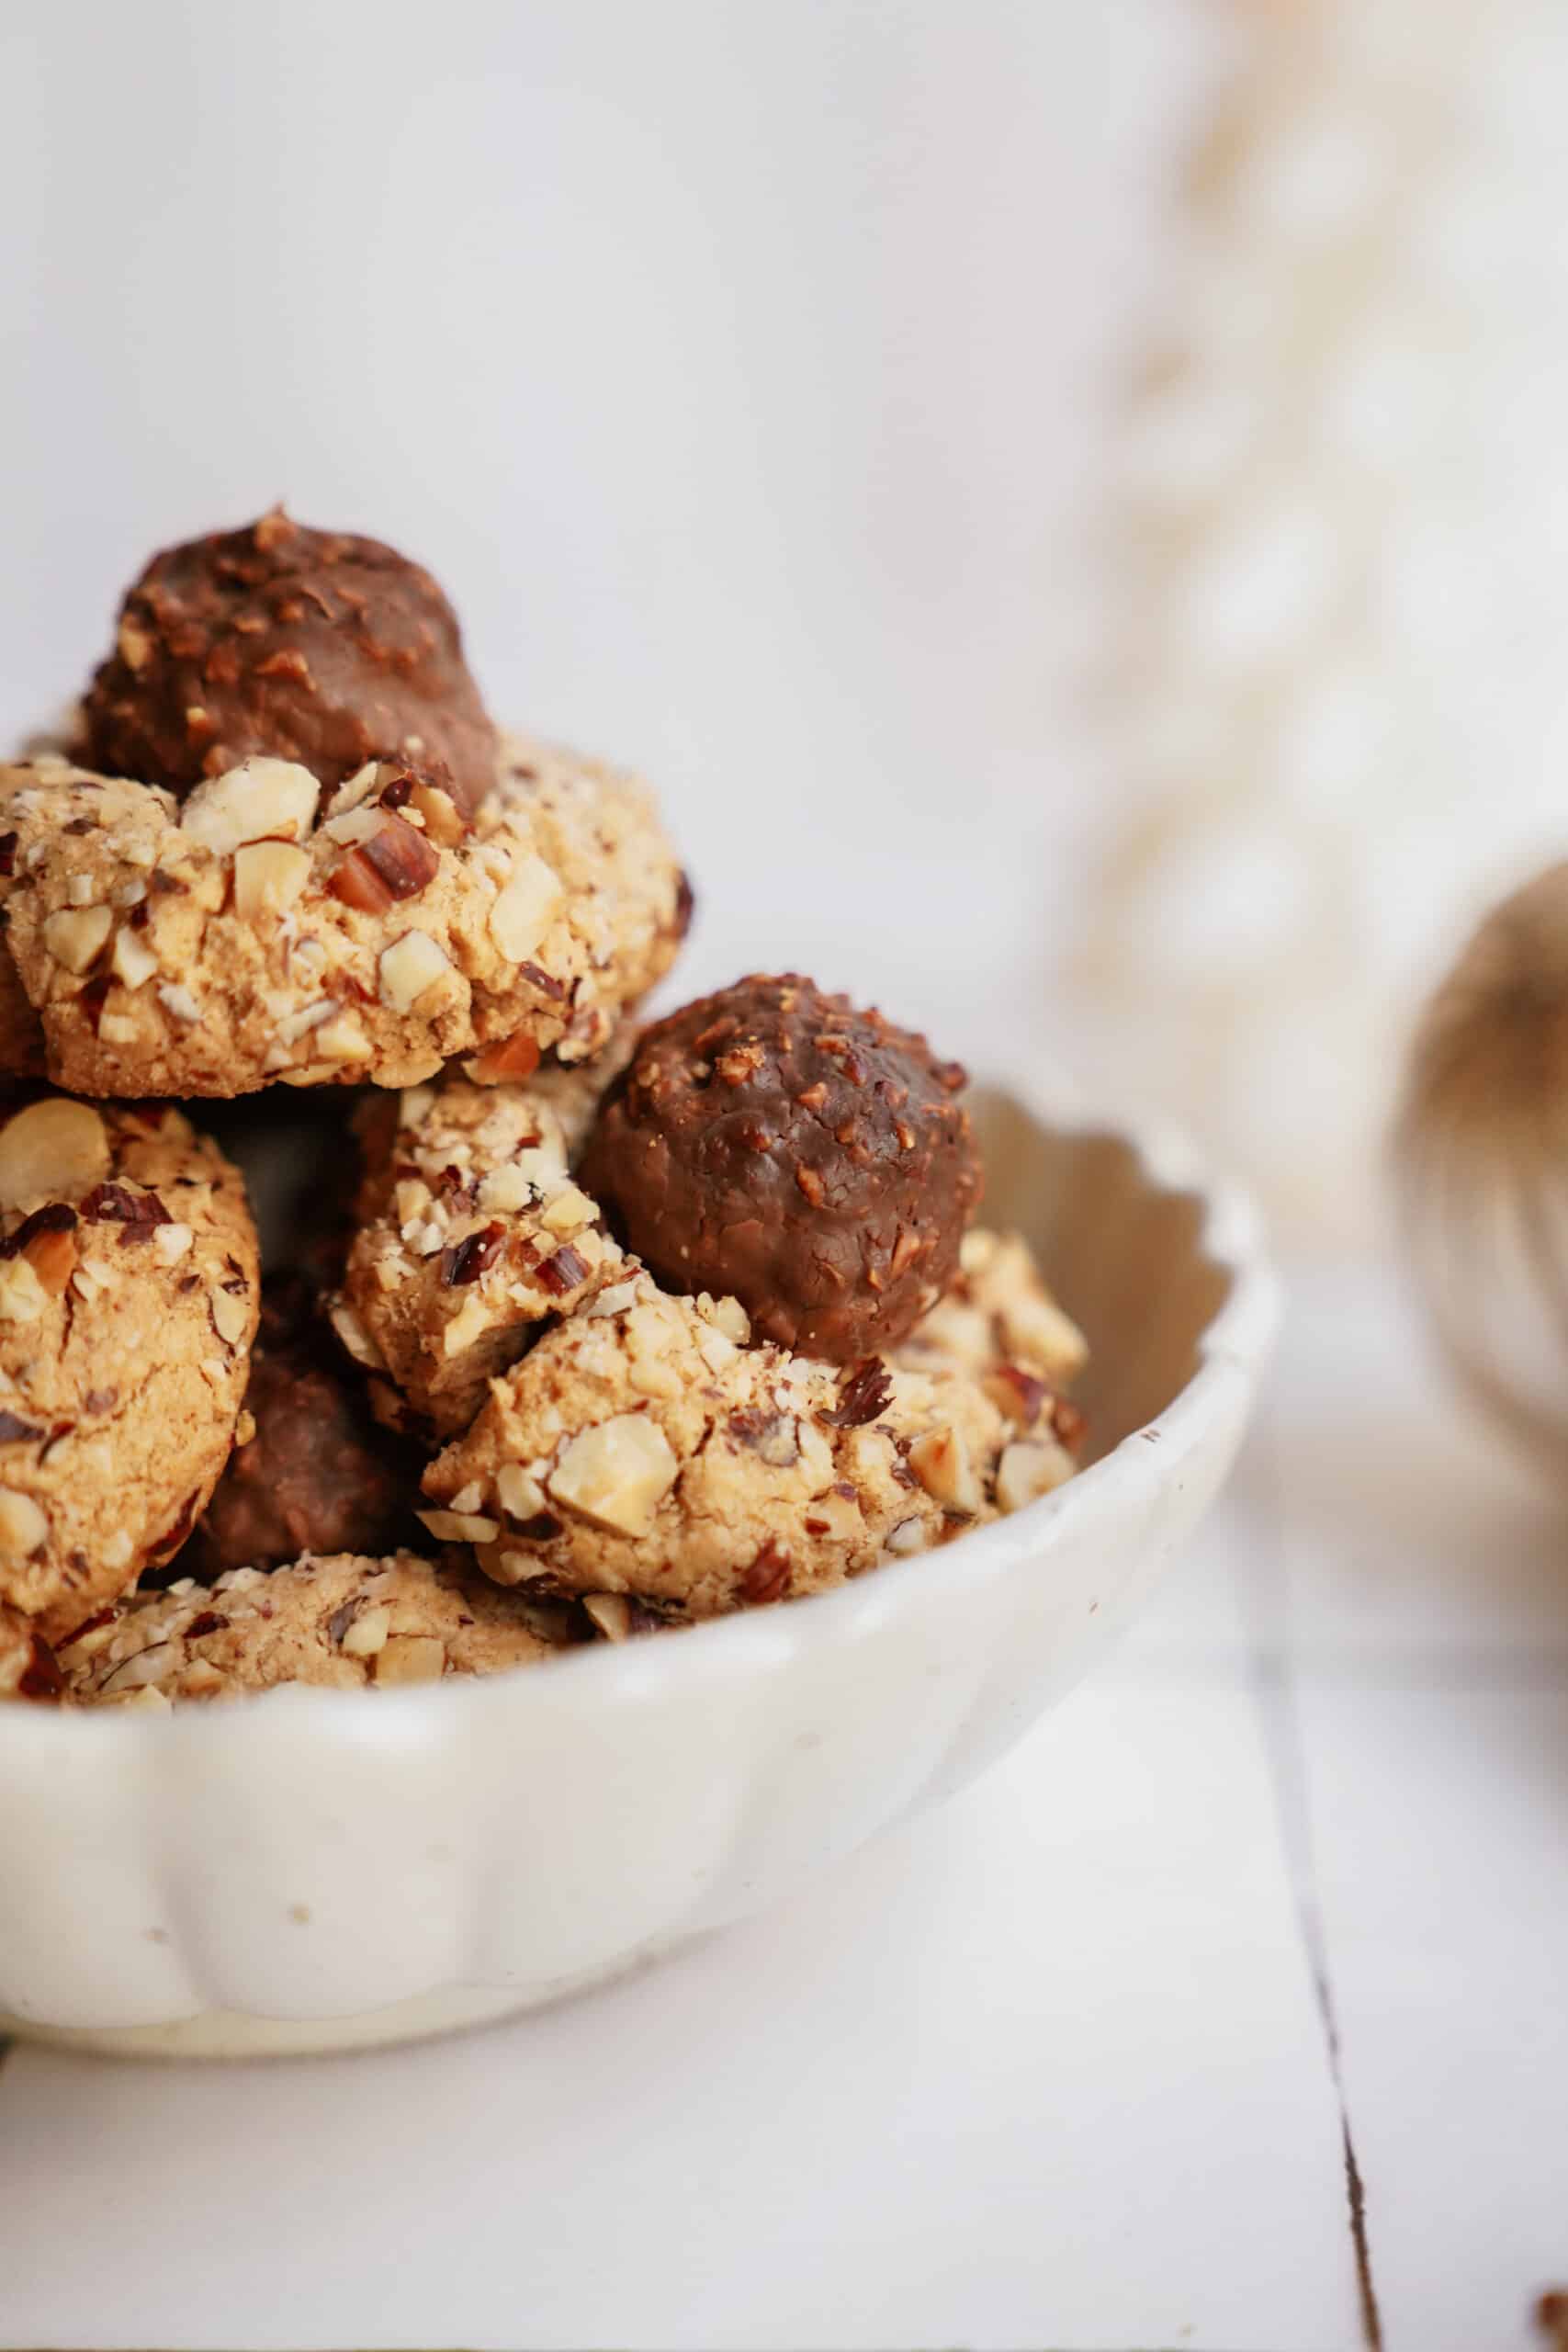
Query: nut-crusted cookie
point(214, 945)
point(573, 1089)
point(128, 1303)
point(342, 1623)
point(472, 1234)
point(29, 1669)
point(16, 1651)
point(644, 1447)
point(998, 1316)
point(315, 646)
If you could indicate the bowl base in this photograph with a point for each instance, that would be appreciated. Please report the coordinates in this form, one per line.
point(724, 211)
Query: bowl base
point(232, 2034)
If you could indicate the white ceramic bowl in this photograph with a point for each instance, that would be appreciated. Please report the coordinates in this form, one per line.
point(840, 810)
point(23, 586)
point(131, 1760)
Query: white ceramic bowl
point(314, 1870)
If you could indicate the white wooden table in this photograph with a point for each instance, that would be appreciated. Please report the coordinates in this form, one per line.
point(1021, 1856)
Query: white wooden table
point(1270, 1916)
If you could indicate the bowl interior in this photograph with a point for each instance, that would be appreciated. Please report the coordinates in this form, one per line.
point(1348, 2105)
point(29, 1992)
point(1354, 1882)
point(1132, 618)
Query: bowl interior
point(1124, 1257)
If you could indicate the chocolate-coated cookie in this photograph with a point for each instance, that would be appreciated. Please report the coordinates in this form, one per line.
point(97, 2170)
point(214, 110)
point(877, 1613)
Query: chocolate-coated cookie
point(314, 1471)
point(772, 1143)
point(313, 646)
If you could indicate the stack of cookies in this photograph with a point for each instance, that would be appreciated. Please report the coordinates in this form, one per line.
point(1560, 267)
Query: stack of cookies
point(603, 1333)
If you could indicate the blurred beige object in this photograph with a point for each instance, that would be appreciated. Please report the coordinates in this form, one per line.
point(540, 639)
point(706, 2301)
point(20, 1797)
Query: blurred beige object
point(1332, 700)
point(1482, 1164)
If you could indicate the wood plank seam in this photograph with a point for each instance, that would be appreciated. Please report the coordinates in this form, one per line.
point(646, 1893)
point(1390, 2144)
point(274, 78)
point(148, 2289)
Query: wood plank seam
point(1272, 1675)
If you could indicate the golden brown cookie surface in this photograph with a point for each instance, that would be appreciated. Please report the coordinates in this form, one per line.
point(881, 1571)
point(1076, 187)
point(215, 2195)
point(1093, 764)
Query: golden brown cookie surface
point(473, 1233)
point(242, 936)
point(645, 1446)
point(29, 1669)
point(129, 1286)
point(340, 1623)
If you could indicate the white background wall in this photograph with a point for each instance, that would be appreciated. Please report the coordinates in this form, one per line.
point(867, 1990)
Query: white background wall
point(739, 368)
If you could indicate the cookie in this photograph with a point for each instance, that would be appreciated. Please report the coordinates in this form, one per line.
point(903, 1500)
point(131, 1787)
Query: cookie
point(645, 1447)
point(573, 1090)
point(312, 1470)
point(16, 1651)
point(998, 1316)
point(472, 1235)
point(342, 1623)
point(29, 1669)
point(127, 1303)
point(235, 939)
point(314, 645)
point(773, 1144)
point(22, 1054)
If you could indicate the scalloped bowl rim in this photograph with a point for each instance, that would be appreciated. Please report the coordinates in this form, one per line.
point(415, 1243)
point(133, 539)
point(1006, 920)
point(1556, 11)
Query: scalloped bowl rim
point(1234, 1342)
